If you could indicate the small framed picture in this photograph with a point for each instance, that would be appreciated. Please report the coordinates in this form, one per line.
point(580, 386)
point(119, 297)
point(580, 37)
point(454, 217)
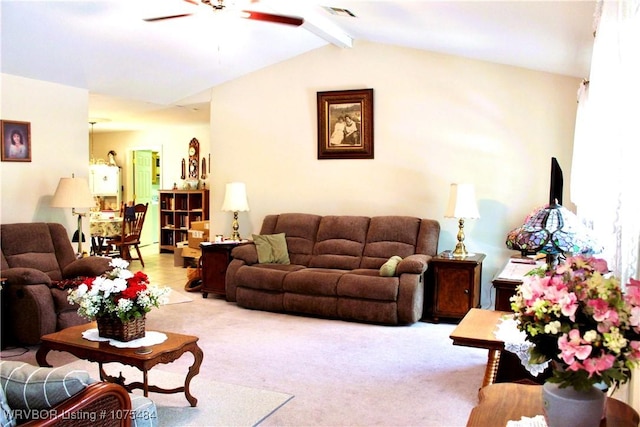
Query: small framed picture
point(16, 141)
point(345, 124)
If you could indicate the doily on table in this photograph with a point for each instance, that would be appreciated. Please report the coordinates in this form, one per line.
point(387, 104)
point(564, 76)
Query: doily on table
point(537, 421)
point(515, 341)
point(150, 338)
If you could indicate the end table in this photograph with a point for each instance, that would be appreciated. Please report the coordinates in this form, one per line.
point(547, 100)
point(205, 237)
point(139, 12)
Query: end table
point(455, 285)
point(215, 260)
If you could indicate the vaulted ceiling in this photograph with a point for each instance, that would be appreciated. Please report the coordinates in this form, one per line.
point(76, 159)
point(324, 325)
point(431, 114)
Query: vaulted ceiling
point(140, 72)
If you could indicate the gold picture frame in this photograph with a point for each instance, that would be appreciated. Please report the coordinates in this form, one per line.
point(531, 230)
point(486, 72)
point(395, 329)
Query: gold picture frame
point(345, 124)
point(16, 141)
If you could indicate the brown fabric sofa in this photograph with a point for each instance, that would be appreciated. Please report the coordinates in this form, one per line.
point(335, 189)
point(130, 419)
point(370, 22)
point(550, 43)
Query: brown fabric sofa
point(33, 257)
point(334, 268)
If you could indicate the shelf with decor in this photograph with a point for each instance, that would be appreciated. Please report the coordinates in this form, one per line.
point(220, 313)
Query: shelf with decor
point(178, 209)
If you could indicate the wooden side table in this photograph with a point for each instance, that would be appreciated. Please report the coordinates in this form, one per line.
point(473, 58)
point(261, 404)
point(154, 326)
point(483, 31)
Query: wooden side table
point(507, 280)
point(456, 285)
point(215, 260)
point(500, 403)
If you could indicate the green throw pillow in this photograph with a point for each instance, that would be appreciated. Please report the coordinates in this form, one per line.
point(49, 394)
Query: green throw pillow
point(31, 387)
point(272, 248)
point(388, 269)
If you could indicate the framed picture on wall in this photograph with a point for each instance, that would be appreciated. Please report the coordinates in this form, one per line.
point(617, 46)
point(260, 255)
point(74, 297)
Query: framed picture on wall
point(345, 124)
point(16, 141)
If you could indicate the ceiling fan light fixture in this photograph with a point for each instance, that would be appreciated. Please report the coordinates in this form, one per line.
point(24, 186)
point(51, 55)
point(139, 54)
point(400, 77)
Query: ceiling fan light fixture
point(339, 11)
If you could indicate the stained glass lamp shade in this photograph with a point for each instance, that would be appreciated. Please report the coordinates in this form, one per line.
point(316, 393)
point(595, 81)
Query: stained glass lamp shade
point(552, 230)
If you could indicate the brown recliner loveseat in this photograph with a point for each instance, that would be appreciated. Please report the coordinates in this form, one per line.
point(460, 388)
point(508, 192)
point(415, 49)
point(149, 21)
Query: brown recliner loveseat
point(334, 268)
point(34, 257)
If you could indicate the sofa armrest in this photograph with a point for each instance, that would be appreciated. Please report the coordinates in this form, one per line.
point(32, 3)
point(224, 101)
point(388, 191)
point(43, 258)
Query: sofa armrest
point(415, 264)
point(91, 266)
point(25, 276)
point(247, 253)
point(95, 400)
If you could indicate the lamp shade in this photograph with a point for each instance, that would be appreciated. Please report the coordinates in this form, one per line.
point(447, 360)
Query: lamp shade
point(73, 193)
point(552, 229)
point(235, 197)
point(462, 202)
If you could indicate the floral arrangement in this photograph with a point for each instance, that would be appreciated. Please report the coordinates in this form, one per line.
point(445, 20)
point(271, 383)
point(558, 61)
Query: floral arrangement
point(577, 316)
point(117, 293)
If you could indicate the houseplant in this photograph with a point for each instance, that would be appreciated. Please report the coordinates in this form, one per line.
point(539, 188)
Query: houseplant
point(577, 316)
point(118, 300)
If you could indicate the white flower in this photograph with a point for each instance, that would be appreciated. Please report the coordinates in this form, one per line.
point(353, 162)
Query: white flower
point(119, 263)
point(590, 336)
point(552, 327)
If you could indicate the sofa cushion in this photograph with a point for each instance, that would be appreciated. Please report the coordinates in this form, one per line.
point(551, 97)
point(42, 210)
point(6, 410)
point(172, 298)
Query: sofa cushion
point(33, 387)
point(388, 269)
point(388, 236)
point(313, 281)
point(6, 414)
point(271, 248)
point(30, 245)
point(367, 284)
point(264, 276)
point(300, 229)
point(340, 242)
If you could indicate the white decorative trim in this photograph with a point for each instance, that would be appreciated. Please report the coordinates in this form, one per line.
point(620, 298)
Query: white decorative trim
point(150, 338)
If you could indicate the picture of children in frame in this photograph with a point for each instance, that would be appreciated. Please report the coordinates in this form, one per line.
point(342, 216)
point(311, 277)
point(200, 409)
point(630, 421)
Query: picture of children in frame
point(16, 141)
point(344, 120)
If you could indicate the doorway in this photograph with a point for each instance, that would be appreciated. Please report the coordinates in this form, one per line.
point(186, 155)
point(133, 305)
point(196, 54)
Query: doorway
point(145, 184)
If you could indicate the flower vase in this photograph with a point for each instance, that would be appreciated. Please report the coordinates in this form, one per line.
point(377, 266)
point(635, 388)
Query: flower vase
point(568, 407)
point(114, 328)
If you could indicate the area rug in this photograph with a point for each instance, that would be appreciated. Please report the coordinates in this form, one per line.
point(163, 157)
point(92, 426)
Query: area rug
point(176, 297)
point(219, 404)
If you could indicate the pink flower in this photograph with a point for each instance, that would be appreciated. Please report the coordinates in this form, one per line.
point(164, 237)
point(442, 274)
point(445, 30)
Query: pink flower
point(571, 347)
point(632, 293)
point(603, 313)
point(569, 305)
point(635, 347)
point(596, 365)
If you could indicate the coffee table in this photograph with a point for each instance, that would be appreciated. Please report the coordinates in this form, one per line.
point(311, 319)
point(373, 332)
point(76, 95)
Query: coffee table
point(476, 330)
point(70, 340)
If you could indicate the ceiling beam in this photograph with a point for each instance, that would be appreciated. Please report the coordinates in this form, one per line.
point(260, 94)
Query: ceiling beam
point(326, 30)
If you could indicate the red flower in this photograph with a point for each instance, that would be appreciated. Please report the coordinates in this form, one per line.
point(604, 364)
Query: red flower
point(89, 281)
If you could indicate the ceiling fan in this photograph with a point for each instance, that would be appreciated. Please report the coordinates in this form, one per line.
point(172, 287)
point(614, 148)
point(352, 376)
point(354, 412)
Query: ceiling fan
point(218, 5)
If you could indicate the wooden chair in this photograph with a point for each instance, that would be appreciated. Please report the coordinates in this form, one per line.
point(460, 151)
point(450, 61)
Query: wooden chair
point(133, 220)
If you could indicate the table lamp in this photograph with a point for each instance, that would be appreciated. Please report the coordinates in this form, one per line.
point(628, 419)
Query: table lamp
point(74, 193)
point(235, 200)
point(462, 204)
point(552, 230)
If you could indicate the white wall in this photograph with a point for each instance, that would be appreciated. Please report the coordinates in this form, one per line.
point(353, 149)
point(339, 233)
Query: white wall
point(438, 119)
point(172, 142)
point(59, 147)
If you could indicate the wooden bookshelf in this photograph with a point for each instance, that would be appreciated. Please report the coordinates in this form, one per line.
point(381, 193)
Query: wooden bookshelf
point(178, 208)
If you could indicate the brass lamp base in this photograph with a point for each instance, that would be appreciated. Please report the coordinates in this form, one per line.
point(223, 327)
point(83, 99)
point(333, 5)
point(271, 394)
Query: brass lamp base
point(460, 251)
point(235, 226)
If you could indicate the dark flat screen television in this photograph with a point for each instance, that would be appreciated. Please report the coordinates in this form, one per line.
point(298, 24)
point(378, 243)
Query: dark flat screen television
point(556, 183)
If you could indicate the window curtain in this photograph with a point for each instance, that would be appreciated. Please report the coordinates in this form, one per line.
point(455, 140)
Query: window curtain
point(605, 172)
point(605, 178)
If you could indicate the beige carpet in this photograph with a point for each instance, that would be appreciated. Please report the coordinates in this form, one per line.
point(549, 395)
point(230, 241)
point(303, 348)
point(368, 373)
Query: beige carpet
point(219, 404)
point(176, 297)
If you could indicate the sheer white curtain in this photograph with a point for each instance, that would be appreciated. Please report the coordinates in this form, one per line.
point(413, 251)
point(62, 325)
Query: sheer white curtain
point(605, 178)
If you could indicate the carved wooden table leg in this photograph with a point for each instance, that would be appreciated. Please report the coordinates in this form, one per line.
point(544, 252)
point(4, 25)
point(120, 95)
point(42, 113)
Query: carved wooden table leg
point(41, 355)
point(491, 371)
point(193, 371)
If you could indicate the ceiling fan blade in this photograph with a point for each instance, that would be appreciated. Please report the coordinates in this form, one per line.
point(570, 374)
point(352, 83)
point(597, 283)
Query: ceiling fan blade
point(179, 15)
point(270, 17)
point(162, 18)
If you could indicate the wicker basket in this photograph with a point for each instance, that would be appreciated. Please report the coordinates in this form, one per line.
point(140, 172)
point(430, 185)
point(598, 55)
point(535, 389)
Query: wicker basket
point(109, 327)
